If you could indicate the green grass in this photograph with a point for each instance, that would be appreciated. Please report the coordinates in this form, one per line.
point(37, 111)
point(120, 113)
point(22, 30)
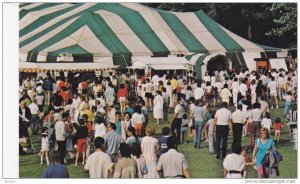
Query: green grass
point(201, 163)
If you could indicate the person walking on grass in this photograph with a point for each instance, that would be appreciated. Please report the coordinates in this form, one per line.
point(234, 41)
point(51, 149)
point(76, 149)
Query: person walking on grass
point(81, 134)
point(158, 107)
point(223, 125)
point(199, 116)
point(60, 134)
point(172, 162)
point(277, 127)
point(238, 122)
point(126, 166)
point(55, 169)
point(112, 141)
point(149, 146)
point(263, 145)
point(176, 123)
point(44, 145)
point(98, 164)
point(234, 163)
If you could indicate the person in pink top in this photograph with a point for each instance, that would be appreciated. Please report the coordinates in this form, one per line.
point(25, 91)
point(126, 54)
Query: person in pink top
point(149, 147)
point(122, 94)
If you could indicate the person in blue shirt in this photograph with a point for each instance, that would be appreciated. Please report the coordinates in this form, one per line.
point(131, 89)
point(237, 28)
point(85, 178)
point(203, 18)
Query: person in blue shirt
point(162, 141)
point(56, 169)
point(263, 146)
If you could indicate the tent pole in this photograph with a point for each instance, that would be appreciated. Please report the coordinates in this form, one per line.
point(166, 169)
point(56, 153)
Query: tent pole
point(238, 57)
point(125, 62)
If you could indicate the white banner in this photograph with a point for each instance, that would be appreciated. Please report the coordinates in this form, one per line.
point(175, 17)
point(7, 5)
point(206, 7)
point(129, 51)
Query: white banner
point(277, 63)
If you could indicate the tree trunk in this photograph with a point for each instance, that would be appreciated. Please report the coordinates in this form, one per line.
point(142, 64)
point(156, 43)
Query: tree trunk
point(250, 29)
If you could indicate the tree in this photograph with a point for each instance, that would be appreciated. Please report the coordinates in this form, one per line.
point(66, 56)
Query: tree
point(285, 19)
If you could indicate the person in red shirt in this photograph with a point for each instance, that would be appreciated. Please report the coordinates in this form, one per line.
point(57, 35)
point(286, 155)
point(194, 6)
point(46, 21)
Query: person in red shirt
point(81, 134)
point(277, 127)
point(122, 95)
point(60, 85)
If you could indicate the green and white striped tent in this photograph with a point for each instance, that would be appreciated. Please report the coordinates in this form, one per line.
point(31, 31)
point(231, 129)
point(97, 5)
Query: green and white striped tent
point(121, 31)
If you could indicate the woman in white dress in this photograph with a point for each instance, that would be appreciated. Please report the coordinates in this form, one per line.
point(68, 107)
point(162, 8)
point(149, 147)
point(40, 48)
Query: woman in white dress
point(158, 106)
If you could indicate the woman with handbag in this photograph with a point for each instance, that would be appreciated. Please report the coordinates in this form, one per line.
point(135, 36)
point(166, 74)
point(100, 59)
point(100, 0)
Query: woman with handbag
point(262, 146)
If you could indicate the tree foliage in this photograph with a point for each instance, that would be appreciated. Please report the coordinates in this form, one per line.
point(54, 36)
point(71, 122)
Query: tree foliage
point(273, 24)
point(285, 19)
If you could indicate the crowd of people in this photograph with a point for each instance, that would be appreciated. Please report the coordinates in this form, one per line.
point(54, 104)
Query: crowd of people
point(107, 120)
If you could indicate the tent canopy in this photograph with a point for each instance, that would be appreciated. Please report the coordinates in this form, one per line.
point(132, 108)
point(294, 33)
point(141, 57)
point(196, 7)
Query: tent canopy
point(161, 63)
point(120, 31)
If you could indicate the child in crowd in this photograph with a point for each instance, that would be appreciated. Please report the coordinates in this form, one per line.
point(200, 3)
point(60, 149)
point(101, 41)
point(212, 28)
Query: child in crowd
point(277, 126)
point(184, 128)
point(162, 141)
point(267, 122)
point(211, 138)
point(81, 134)
point(44, 145)
point(247, 162)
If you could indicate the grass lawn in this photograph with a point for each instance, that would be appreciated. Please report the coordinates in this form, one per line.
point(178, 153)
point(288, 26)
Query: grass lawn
point(201, 163)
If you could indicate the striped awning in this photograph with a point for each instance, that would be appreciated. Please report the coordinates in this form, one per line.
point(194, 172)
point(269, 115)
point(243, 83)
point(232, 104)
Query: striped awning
point(120, 30)
point(76, 67)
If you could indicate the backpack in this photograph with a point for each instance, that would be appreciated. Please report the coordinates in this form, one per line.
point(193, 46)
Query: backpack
point(277, 155)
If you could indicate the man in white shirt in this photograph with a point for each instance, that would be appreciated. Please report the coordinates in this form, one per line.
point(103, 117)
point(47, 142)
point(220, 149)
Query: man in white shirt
point(172, 162)
point(74, 110)
point(264, 106)
point(198, 92)
point(273, 87)
point(148, 93)
point(243, 88)
point(281, 81)
point(60, 134)
point(99, 163)
point(234, 163)
point(155, 80)
point(222, 124)
point(225, 94)
point(176, 123)
point(238, 121)
point(35, 120)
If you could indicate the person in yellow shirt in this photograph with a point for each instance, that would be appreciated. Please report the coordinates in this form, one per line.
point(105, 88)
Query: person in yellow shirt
point(173, 83)
point(86, 110)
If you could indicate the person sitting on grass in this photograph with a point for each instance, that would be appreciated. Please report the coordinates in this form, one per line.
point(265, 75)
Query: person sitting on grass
point(56, 169)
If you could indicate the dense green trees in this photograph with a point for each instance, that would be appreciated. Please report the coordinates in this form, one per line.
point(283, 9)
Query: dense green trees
point(273, 24)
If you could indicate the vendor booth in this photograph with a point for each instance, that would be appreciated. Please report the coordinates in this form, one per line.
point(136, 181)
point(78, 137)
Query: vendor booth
point(160, 65)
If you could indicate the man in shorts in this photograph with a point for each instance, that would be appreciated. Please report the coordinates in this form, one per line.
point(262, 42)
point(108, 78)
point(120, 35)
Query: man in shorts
point(273, 88)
